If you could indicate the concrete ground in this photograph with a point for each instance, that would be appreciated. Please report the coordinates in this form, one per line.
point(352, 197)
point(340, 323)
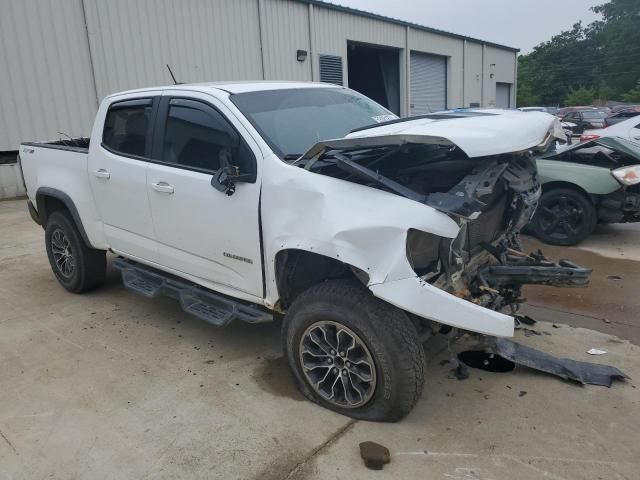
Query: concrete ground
point(113, 385)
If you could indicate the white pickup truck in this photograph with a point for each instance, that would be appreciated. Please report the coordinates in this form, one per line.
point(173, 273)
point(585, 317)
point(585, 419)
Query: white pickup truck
point(246, 200)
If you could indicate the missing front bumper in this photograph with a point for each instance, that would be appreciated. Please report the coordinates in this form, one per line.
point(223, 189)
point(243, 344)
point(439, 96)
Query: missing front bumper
point(534, 269)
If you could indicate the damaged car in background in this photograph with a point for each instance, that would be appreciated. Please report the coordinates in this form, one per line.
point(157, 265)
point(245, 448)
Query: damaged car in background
point(384, 232)
point(597, 181)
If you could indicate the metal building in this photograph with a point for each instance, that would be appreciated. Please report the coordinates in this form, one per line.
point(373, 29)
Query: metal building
point(58, 58)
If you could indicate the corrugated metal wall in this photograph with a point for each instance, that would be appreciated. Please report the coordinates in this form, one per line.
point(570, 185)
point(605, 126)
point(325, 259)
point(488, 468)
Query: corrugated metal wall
point(472, 74)
point(202, 40)
point(499, 66)
point(285, 26)
point(54, 70)
point(46, 85)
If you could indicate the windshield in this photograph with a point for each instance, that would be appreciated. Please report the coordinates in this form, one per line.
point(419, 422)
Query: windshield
point(593, 115)
point(293, 120)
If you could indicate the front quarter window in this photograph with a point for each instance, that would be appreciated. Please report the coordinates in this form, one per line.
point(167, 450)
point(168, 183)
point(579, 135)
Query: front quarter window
point(293, 120)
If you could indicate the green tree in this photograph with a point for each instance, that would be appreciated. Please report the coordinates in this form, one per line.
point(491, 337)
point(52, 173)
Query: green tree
point(581, 96)
point(632, 95)
point(618, 37)
point(603, 56)
point(526, 97)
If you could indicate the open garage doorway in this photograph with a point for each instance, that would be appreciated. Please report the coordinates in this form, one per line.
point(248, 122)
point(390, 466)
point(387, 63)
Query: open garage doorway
point(374, 71)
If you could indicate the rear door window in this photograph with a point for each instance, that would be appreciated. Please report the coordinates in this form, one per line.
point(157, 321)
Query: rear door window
point(128, 127)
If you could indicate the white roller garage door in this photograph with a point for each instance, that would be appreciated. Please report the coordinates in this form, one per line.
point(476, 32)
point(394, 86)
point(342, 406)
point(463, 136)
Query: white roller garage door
point(503, 95)
point(428, 83)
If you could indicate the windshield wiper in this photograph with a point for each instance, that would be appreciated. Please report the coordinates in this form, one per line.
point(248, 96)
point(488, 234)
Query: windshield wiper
point(292, 156)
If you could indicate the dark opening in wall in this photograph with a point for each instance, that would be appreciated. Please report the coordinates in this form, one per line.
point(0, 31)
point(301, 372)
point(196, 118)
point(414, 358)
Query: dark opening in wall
point(375, 72)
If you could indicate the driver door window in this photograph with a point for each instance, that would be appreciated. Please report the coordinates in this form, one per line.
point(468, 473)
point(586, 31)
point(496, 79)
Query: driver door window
point(197, 136)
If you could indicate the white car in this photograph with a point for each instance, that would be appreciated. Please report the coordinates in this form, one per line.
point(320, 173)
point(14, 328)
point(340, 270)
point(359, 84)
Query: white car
point(628, 129)
point(367, 243)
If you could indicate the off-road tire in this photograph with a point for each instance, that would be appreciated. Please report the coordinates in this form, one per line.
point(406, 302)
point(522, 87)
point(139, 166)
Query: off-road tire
point(580, 230)
point(387, 332)
point(89, 264)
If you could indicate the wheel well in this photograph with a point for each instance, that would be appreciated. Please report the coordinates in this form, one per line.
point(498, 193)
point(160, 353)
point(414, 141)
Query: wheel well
point(298, 270)
point(572, 186)
point(47, 205)
point(49, 200)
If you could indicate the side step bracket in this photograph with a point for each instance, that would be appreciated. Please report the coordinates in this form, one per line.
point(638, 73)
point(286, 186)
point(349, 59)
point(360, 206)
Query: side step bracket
point(212, 307)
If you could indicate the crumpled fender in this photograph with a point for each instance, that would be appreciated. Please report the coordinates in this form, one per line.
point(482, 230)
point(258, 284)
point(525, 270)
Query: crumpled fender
point(358, 225)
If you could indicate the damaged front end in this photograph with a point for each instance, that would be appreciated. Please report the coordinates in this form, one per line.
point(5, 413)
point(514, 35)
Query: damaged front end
point(490, 197)
point(485, 264)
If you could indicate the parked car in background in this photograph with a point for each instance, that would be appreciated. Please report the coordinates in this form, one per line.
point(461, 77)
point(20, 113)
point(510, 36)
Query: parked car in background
point(622, 106)
point(593, 182)
point(628, 129)
point(552, 110)
point(621, 116)
point(585, 119)
point(565, 110)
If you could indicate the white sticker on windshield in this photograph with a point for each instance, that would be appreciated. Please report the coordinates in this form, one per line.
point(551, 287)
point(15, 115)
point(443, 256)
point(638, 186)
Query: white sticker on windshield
point(384, 118)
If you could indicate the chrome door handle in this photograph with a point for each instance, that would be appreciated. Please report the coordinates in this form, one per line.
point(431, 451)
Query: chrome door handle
point(102, 173)
point(163, 187)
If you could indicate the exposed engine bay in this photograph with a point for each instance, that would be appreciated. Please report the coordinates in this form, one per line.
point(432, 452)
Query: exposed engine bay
point(491, 198)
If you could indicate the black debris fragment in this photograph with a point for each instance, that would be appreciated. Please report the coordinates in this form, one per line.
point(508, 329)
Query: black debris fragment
point(522, 393)
point(525, 319)
point(583, 372)
point(375, 456)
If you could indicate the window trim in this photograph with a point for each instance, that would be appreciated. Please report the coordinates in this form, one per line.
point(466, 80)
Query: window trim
point(154, 100)
point(161, 125)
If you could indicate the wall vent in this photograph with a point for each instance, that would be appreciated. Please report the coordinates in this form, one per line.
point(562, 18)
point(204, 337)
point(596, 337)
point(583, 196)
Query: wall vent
point(331, 69)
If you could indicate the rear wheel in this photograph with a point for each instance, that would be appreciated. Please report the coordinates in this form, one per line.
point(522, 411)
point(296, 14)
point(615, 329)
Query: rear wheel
point(353, 353)
point(564, 217)
point(77, 267)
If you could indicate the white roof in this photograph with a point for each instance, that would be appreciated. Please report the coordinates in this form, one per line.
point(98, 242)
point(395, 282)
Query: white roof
point(261, 85)
point(233, 86)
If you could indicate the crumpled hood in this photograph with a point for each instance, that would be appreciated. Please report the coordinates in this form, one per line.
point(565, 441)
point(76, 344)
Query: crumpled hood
point(476, 136)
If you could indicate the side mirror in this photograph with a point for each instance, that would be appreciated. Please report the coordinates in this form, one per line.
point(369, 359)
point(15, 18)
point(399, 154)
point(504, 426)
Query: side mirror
point(225, 179)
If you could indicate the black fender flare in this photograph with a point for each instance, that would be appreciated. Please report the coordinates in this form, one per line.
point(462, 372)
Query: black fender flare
point(48, 192)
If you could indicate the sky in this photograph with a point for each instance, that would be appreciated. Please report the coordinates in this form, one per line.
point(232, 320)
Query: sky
point(517, 23)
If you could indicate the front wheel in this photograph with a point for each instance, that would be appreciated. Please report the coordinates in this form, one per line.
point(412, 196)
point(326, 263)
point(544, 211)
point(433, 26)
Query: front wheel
point(77, 267)
point(564, 217)
point(353, 353)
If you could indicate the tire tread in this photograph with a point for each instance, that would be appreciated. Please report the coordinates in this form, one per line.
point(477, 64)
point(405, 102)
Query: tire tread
point(390, 326)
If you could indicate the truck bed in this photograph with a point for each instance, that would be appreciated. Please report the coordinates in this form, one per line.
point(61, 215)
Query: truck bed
point(79, 144)
point(59, 169)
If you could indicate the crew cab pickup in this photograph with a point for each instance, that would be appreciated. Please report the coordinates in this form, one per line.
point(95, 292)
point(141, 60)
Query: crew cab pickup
point(366, 232)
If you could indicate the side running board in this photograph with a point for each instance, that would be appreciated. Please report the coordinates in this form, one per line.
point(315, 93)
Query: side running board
point(214, 308)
